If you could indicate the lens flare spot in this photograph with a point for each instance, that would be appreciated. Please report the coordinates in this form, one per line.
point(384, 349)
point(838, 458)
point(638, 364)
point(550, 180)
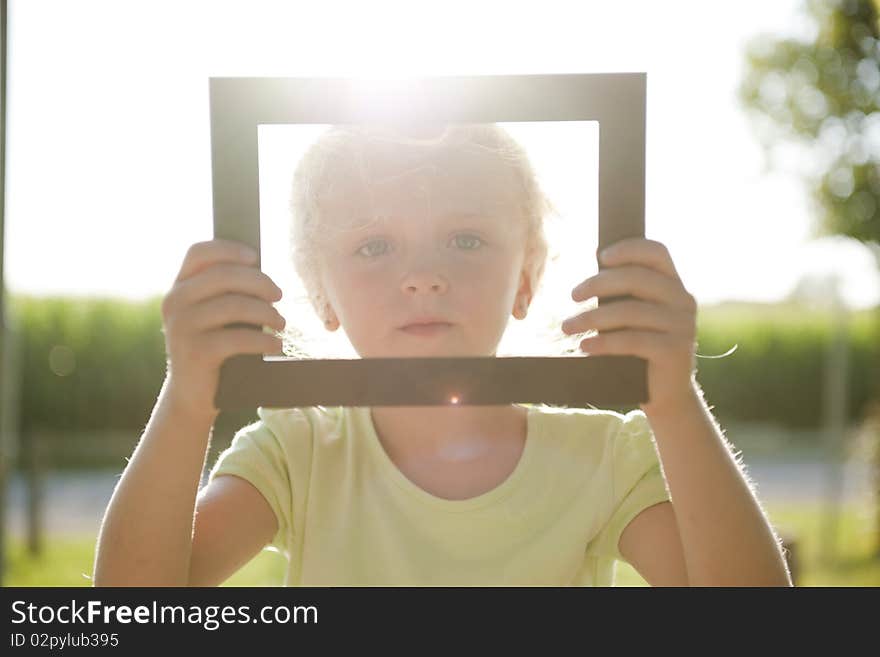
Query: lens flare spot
point(62, 360)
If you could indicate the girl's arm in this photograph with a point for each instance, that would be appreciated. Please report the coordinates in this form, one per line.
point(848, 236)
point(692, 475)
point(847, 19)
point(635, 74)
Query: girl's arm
point(146, 535)
point(725, 538)
point(149, 536)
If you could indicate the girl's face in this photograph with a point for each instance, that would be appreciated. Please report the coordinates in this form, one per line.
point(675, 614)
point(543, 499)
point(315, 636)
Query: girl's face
point(448, 244)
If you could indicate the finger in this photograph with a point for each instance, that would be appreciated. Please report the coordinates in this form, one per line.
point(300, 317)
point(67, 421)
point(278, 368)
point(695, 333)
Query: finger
point(627, 314)
point(644, 344)
point(636, 281)
point(223, 343)
point(224, 279)
point(204, 254)
point(233, 308)
point(639, 251)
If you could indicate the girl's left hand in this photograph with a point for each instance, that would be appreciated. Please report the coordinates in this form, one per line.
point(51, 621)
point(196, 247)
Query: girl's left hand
point(658, 324)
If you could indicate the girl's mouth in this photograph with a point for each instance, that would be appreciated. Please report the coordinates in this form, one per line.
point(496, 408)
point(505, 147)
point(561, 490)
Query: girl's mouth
point(434, 328)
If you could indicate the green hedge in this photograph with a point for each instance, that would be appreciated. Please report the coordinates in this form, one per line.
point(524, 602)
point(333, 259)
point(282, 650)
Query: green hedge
point(117, 368)
point(95, 366)
point(90, 372)
point(778, 371)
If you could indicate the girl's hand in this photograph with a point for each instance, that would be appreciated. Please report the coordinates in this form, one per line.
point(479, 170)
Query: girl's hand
point(217, 285)
point(658, 324)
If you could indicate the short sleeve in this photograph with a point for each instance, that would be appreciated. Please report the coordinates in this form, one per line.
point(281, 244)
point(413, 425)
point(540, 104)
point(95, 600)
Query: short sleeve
point(257, 455)
point(637, 482)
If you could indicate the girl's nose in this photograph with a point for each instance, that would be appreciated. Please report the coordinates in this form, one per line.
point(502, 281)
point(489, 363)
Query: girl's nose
point(438, 288)
point(423, 277)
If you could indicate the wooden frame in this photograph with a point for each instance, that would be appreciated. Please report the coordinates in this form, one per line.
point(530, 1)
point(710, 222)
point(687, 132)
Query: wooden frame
point(616, 100)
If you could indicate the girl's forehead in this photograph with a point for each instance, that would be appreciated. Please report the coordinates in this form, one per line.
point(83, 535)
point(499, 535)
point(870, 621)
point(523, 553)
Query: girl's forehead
point(417, 182)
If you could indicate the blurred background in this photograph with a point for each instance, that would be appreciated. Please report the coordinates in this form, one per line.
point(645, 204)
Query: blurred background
point(763, 180)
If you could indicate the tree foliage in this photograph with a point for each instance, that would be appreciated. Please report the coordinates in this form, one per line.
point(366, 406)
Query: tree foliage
point(820, 94)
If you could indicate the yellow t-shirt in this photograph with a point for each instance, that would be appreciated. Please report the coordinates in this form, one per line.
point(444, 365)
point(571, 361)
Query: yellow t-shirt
point(347, 516)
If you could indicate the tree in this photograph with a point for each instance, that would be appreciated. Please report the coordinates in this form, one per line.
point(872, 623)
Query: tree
point(820, 98)
point(823, 96)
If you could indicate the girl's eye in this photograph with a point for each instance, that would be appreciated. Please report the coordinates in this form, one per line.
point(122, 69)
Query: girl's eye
point(468, 239)
point(464, 241)
point(372, 252)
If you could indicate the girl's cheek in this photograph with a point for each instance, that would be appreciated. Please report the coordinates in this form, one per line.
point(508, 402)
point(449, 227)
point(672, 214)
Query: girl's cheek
point(365, 280)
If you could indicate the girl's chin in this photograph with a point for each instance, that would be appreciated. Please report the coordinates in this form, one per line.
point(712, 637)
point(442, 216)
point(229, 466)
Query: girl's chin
point(425, 350)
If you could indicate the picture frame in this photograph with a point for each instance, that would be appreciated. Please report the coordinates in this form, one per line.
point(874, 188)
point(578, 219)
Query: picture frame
point(617, 101)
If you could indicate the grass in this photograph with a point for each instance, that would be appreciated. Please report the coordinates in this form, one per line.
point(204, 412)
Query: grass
point(851, 563)
point(67, 561)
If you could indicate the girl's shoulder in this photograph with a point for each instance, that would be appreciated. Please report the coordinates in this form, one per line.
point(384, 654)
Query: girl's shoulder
point(300, 421)
point(591, 434)
point(594, 420)
point(287, 434)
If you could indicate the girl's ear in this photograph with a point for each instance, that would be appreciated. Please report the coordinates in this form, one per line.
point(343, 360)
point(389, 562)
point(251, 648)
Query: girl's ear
point(331, 322)
point(523, 297)
point(324, 310)
point(520, 308)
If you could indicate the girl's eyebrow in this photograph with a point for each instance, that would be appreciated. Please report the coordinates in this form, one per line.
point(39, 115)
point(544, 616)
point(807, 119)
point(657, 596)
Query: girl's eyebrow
point(478, 216)
point(463, 214)
point(483, 217)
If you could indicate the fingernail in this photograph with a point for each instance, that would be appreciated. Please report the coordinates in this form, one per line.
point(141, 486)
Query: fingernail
point(248, 254)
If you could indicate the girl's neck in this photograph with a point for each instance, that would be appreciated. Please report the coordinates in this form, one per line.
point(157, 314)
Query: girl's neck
point(435, 431)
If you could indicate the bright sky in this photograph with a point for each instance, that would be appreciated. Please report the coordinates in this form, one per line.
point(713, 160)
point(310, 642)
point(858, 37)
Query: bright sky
point(109, 176)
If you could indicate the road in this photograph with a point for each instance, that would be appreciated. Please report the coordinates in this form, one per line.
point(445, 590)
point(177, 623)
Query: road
point(75, 501)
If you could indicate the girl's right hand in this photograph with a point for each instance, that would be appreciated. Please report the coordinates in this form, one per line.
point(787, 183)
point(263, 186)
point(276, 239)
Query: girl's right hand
point(218, 284)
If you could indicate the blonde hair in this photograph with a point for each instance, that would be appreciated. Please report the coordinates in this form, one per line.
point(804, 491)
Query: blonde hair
point(346, 149)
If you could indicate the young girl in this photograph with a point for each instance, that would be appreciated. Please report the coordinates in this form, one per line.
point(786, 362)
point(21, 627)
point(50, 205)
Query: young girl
point(424, 244)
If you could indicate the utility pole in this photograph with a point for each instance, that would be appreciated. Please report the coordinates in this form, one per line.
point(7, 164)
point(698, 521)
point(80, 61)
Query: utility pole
point(834, 419)
point(4, 343)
